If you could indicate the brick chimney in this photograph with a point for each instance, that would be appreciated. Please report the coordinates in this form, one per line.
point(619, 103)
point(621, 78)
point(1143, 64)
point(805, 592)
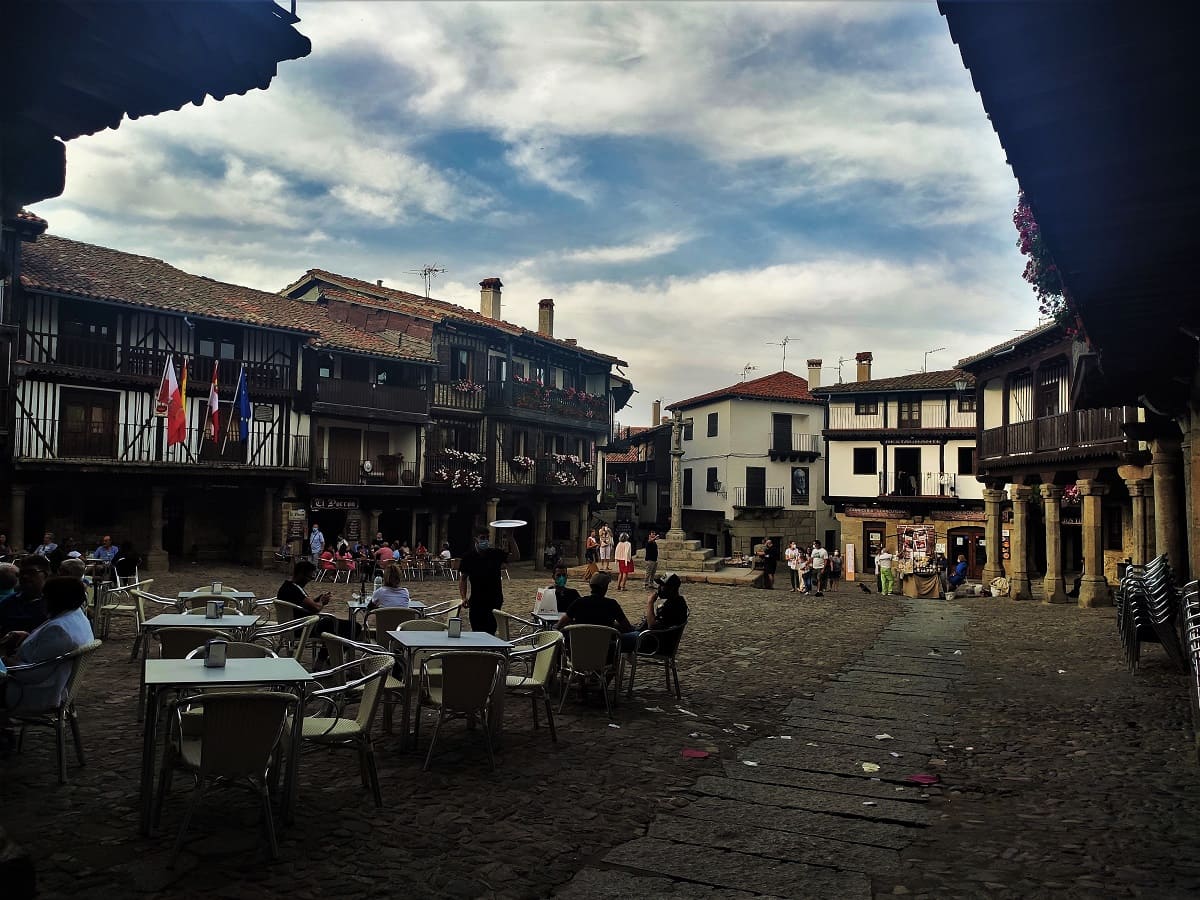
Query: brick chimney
point(814, 374)
point(656, 415)
point(864, 365)
point(546, 318)
point(489, 297)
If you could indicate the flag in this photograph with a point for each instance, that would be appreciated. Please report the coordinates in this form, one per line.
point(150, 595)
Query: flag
point(241, 406)
point(213, 405)
point(170, 404)
point(183, 375)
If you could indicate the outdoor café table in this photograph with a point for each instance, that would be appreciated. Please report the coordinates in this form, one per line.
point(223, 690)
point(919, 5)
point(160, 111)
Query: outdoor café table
point(440, 642)
point(167, 674)
point(242, 598)
point(546, 620)
point(360, 606)
point(239, 625)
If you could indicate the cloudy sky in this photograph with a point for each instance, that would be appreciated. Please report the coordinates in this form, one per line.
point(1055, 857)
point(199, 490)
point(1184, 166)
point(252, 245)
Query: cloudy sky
point(691, 183)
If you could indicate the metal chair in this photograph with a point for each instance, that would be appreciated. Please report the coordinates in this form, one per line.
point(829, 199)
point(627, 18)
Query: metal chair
point(465, 682)
point(510, 627)
point(59, 715)
point(657, 647)
point(541, 661)
point(289, 638)
point(593, 652)
point(118, 601)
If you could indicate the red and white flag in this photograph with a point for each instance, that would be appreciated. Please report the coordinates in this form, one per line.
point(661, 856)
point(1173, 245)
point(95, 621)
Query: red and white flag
point(214, 415)
point(170, 404)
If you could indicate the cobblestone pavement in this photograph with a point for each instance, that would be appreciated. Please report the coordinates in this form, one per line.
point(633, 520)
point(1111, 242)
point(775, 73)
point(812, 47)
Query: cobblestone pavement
point(459, 830)
point(1061, 774)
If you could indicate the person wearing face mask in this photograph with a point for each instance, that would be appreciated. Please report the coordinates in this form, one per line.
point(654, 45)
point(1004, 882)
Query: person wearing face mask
point(481, 569)
point(563, 595)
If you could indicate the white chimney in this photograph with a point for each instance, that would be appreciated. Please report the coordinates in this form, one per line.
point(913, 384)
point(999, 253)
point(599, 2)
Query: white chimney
point(814, 374)
point(489, 297)
point(546, 318)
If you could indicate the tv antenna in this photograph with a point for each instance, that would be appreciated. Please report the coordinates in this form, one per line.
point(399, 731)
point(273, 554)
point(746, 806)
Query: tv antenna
point(782, 344)
point(428, 273)
point(925, 361)
point(841, 360)
point(748, 368)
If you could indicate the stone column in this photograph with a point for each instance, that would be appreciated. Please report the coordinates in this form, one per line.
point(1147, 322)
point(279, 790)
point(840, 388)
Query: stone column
point(1137, 496)
point(1093, 589)
point(584, 522)
point(16, 525)
point(269, 534)
point(539, 534)
point(1166, 461)
point(493, 505)
point(156, 556)
point(676, 533)
point(994, 567)
point(372, 525)
point(1019, 543)
point(1053, 588)
point(443, 518)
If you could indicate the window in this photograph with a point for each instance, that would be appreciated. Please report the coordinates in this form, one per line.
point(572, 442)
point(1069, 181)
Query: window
point(966, 460)
point(215, 346)
point(866, 407)
point(712, 424)
point(756, 486)
point(866, 460)
point(460, 363)
point(555, 443)
point(687, 431)
point(498, 368)
point(518, 368)
point(711, 481)
point(909, 415)
point(687, 487)
point(781, 432)
point(1052, 389)
point(88, 424)
point(799, 485)
point(325, 367)
point(966, 402)
point(356, 368)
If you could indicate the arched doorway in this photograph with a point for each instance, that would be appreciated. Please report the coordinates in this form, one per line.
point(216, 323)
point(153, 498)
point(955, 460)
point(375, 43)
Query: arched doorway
point(968, 542)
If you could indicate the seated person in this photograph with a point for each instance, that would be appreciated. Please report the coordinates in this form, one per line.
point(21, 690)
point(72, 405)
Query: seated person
point(292, 591)
point(66, 629)
point(107, 551)
point(345, 556)
point(445, 554)
point(25, 610)
point(672, 611)
point(960, 572)
point(421, 549)
point(597, 608)
point(10, 575)
point(563, 595)
point(384, 554)
point(47, 546)
point(326, 560)
point(75, 568)
point(5, 550)
point(125, 566)
point(284, 551)
point(403, 552)
point(391, 594)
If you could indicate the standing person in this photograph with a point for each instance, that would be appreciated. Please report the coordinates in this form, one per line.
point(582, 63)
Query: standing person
point(806, 573)
point(819, 558)
point(593, 548)
point(482, 569)
point(606, 548)
point(770, 558)
point(316, 542)
point(835, 569)
point(651, 558)
point(792, 557)
point(624, 557)
point(883, 568)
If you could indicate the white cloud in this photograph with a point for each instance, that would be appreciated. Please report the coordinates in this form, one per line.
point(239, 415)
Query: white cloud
point(659, 245)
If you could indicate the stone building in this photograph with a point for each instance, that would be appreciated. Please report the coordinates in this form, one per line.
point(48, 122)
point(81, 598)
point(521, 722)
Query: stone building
point(749, 465)
point(900, 451)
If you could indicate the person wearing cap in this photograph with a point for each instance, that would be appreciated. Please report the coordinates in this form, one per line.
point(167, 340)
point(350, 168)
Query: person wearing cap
point(597, 608)
point(671, 612)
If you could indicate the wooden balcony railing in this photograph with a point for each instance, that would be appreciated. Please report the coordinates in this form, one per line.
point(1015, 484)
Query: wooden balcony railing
point(918, 484)
point(385, 470)
point(339, 392)
point(146, 444)
point(1080, 429)
point(462, 397)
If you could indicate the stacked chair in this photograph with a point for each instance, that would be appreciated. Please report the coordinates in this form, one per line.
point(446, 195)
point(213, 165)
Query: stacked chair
point(1148, 611)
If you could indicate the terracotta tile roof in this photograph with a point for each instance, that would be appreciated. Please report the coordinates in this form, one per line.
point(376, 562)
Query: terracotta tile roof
point(917, 381)
point(624, 434)
point(1015, 342)
point(24, 215)
point(779, 386)
point(100, 273)
point(367, 293)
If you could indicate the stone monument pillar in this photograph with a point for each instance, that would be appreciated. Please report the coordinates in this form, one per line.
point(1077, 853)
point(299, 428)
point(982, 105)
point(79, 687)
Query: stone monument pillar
point(156, 556)
point(1053, 588)
point(994, 567)
point(1019, 543)
point(676, 533)
point(1093, 589)
point(1166, 461)
point(1137, 488)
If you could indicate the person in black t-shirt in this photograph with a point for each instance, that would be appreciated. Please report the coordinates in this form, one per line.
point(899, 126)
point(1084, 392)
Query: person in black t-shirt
point(651, 558)
point(563, 595)
point(482, 569)
point(597, 608)
point(770, 558)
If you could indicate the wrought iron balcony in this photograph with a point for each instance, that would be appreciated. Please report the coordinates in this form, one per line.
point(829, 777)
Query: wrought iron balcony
point(368, 395)
point(758, 498)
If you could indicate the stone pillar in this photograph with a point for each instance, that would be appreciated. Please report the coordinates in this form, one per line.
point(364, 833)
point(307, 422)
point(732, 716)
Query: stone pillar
point(584, 521)
point(676, 533)
point(1093, 589)
point(156, 557)
point(1166, 461)
point(443, 518)
point(16, 524)
point(270, 536)
point(493, 505)
point(372, 525)
point(1053, 588)
point(1137, 496)
point(539, 534)
point(1019, 543)
point(994, 567)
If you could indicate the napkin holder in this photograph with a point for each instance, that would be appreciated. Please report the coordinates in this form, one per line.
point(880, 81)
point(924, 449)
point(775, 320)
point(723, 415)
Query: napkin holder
point(215, 654)
point(454, 627)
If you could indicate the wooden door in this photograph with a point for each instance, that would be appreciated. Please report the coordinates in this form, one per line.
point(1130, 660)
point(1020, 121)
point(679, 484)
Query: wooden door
point(87, 425)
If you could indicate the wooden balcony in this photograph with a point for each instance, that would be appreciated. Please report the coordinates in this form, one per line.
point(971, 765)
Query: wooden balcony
point(1084, 432)
point(918, 484)
point(336, 394)
point(385, 471)
point(448, 396)
point(535, 402)
point(145, 443)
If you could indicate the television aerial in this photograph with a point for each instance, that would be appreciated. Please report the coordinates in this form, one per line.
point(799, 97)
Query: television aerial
point(782, 344)
point(748, 368)
point(428, 273)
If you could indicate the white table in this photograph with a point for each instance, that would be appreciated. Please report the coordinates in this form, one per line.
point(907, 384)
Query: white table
point(438, 642)
point(547, 620)
point(164, 674)
point(179, 620)
point(361, 606)
point(241, 598)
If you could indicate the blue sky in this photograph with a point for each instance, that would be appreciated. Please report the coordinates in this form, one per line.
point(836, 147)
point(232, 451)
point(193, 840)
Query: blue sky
point(689, 182)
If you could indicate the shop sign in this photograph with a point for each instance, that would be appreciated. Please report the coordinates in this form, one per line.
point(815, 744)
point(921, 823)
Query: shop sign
point(334, 503)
